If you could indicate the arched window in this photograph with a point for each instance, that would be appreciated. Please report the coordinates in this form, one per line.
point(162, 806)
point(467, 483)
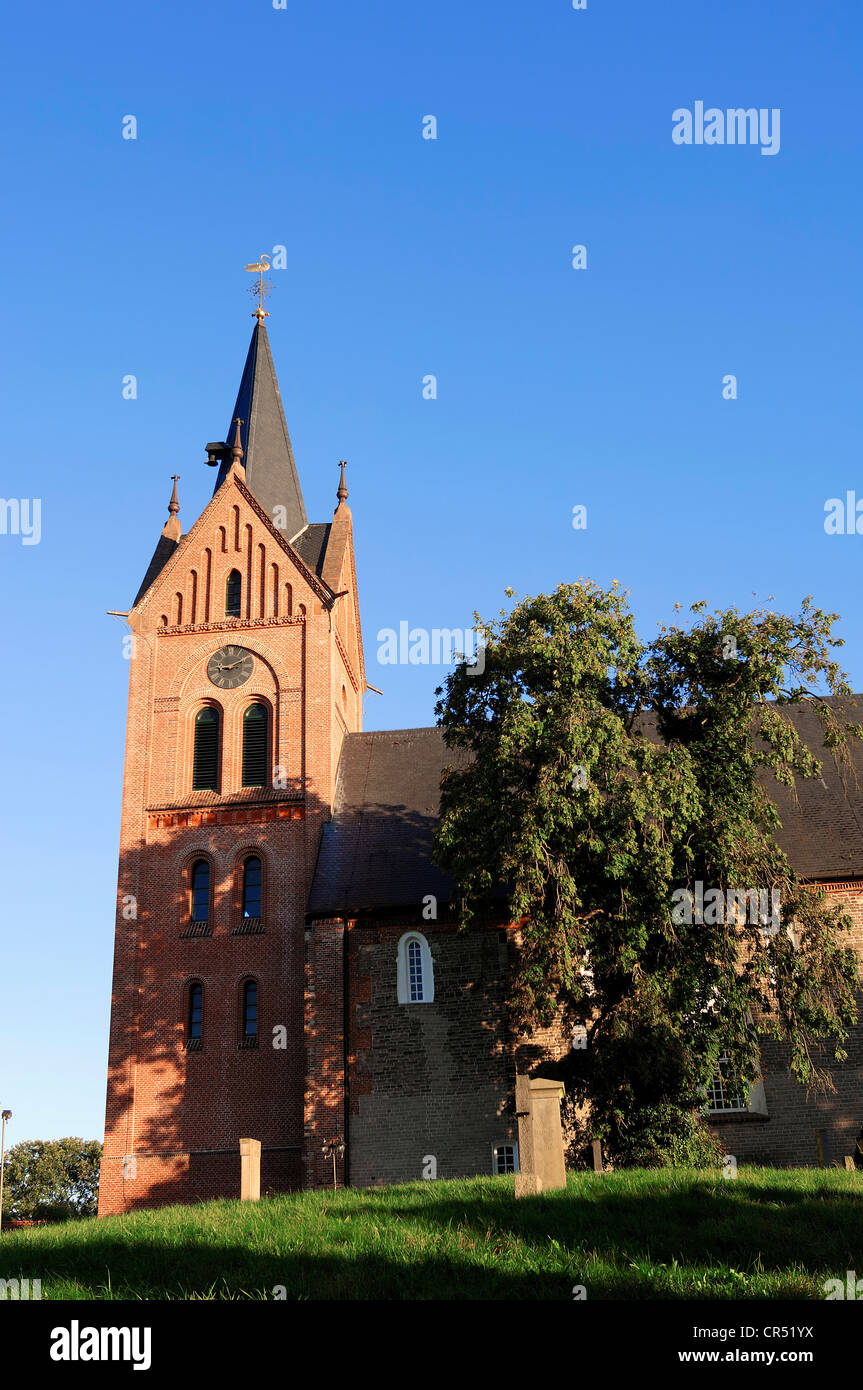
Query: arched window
point(233, 594)
point(415, 972)
point(195, 1018)
point(205, 768)
point(252, 887)
point(200, 891)
point(250, 1009)
point(414, 976)
point(255, 746)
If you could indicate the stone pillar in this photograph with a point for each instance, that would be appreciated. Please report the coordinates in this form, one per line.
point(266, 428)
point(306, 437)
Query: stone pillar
point(250, 1170)
point(540, 1137)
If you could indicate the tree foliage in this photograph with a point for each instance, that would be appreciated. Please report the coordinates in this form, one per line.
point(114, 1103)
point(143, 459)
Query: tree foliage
point(52, 1179)
point(608, 776)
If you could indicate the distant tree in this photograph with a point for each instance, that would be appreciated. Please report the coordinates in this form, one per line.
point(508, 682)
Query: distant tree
point(609, 777)
point(52, 1179)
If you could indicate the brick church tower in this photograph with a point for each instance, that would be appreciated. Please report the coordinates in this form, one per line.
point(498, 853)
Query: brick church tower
point(246, 673)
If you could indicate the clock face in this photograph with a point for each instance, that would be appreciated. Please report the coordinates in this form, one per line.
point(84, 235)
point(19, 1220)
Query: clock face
point(230, 667)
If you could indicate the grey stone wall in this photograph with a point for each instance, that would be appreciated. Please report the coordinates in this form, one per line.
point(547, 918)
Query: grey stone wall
point(429, 1079)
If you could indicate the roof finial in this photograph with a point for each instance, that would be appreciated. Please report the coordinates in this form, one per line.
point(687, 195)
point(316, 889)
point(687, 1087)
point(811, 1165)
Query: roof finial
point(172, 528)
point(237, 447)
point(263, 286)
point(342, 493)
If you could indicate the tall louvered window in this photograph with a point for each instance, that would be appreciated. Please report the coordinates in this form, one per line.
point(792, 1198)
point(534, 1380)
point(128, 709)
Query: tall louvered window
point(196, 1011)
point(255, 746)
point(200, 891)
point(250, 1009)
point(205, 770)
point(233, 594)
point(252, 887)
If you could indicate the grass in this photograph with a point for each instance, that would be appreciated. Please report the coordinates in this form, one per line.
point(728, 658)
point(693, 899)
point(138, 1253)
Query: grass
point(772, 1233)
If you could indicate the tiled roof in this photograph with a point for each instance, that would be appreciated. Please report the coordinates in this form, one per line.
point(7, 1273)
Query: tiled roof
point(376, 850)
point(311, 545)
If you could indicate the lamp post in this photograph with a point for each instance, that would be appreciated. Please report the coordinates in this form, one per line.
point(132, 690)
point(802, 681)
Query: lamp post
point(7, 1115)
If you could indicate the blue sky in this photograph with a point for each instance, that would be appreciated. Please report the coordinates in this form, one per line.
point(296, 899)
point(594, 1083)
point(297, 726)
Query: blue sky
point(406, 257)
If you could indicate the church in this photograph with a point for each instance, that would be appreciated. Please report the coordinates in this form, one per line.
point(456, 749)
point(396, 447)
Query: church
point(278, 972)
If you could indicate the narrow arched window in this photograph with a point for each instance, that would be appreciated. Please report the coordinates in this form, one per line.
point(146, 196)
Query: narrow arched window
point(205, 768)
point(200, 891)
point(233, 594)
point(415, 973)
point(255, 746)
point(250, 1009)
point(195, 1021)
point(252, 887)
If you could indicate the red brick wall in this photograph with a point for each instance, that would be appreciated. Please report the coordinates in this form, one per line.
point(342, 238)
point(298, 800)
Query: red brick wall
point(176, 1116)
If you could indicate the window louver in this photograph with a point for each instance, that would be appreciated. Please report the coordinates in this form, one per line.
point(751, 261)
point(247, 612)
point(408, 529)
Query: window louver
point(205, 772)
point(255, 746)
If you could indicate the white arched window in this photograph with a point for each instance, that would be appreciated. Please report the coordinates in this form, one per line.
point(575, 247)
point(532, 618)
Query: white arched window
point(415, 976)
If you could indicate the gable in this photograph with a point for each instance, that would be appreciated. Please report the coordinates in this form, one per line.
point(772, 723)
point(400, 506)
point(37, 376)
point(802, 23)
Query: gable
point(232, 533)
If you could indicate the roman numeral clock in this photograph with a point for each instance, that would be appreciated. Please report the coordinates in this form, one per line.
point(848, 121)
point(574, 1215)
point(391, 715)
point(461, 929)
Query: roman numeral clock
point(230, 667)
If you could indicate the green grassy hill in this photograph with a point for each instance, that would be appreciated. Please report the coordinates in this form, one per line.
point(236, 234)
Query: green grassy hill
point(627, 1235)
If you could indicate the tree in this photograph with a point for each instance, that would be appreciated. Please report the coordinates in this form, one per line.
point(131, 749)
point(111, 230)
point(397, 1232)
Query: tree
point(611, 777)
point(52, 1178)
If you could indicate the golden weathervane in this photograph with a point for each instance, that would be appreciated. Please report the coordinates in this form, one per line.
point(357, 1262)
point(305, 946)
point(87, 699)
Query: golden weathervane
point(263, 286)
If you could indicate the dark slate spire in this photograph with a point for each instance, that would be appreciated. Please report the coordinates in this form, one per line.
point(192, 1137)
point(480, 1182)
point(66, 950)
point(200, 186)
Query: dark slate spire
point(271, 473)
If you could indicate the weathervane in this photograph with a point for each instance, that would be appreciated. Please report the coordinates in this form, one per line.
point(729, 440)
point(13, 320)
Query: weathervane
point(263, 286)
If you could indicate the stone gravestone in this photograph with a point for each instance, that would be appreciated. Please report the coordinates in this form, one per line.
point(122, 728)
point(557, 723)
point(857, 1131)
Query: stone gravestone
point(540, 1137)
point(250, 1170)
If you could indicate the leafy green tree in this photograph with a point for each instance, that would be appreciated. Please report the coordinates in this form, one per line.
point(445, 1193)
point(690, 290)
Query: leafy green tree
point(611, 776)
point(52, 1179)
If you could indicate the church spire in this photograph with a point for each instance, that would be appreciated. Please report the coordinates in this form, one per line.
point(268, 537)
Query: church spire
point(167, 543)
point(342, 493)
point(172, 528)
point(271, 473)
point(237, 449)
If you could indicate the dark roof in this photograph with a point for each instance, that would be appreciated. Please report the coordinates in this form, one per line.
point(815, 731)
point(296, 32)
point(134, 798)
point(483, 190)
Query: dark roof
point(268, 458)
point(822, 828)
point(165, 548)
point(376, 850)
point(311, 545)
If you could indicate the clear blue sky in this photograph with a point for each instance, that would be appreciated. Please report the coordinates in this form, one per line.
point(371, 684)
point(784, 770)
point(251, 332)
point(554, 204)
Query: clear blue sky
point(406, 257)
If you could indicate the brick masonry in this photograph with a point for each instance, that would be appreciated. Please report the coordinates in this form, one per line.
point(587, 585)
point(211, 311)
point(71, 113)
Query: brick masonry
point(338, 1059)
point(174, 1116)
